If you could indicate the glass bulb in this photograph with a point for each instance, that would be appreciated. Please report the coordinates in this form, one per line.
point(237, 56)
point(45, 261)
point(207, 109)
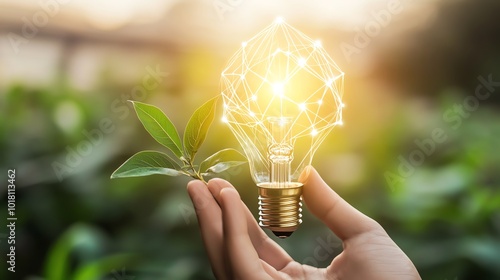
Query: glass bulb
point(288, 101)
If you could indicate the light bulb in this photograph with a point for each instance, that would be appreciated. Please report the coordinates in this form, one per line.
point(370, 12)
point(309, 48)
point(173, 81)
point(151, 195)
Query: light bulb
point(288, 101)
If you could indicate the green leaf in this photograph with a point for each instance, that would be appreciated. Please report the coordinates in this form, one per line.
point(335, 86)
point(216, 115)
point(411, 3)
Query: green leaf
point(58, 263)
point(222, 161)
point(56, 266)
point(197, 127)
point(114, 265)
point(159, 126)
point(147, 163)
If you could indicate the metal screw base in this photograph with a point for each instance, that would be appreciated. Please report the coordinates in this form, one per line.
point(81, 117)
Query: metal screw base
point(280, 208)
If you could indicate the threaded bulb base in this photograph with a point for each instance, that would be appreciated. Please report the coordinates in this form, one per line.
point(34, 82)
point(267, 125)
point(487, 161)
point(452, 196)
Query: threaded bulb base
point(280, 209)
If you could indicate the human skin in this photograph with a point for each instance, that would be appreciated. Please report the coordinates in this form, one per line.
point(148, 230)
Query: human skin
point(238, 248)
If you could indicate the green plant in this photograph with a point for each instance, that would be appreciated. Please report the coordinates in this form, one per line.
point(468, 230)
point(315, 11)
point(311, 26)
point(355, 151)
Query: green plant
point(160, 127)
point(77, 255)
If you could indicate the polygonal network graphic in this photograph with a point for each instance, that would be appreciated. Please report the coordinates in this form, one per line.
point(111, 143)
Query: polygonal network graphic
point(281, 74)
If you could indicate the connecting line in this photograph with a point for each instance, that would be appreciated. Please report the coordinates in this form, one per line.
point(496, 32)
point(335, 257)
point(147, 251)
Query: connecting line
point(282, 73)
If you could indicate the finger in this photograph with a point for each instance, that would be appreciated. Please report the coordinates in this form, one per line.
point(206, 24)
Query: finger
point(210, 222)
point(244, 260)
point(343, 219)
point(272, 272)
point(268, 250)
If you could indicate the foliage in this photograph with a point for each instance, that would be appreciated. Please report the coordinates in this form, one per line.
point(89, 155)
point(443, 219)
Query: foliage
point(445, 216)
point(164, 132)
point(80, 240)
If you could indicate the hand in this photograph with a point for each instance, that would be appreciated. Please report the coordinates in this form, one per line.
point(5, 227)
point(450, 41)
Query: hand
point(239, 249)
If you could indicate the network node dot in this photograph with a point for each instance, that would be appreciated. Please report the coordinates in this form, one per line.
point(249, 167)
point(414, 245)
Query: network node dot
point(279, 89)
point(281, 82)
point(302, 62)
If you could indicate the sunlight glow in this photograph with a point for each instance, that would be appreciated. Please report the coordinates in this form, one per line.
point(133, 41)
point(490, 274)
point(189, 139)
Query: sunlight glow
point(302, 62)
point(279, 20)
point(279, 89)
point(282, 77)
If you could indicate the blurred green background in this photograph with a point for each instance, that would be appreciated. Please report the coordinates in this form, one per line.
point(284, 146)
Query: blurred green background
point(414, 70)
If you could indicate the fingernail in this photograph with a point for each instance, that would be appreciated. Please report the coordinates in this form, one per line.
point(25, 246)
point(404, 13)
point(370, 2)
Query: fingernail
point(305, 174)
point(225, 190)
point(191, 184)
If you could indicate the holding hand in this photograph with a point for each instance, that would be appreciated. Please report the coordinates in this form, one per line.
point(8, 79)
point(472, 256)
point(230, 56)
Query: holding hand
point(238, 248)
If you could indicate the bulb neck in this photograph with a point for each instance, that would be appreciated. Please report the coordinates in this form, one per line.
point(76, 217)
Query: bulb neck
point(280, 160)
point(280, 209)
point(280, 151)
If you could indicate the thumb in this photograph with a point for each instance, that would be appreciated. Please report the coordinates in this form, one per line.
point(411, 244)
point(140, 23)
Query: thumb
point(342, 218)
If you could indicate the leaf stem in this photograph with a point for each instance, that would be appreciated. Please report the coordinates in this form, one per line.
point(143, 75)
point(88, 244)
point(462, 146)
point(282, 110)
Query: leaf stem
point(193, 174)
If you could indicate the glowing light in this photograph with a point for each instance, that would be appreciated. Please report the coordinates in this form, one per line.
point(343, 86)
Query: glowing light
point(342, 105)
point(291, 83)
point(282, 121)
point(279, 89)
point(275, 114)
point(224, 119)
point(302, 62)
point(279, 20)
